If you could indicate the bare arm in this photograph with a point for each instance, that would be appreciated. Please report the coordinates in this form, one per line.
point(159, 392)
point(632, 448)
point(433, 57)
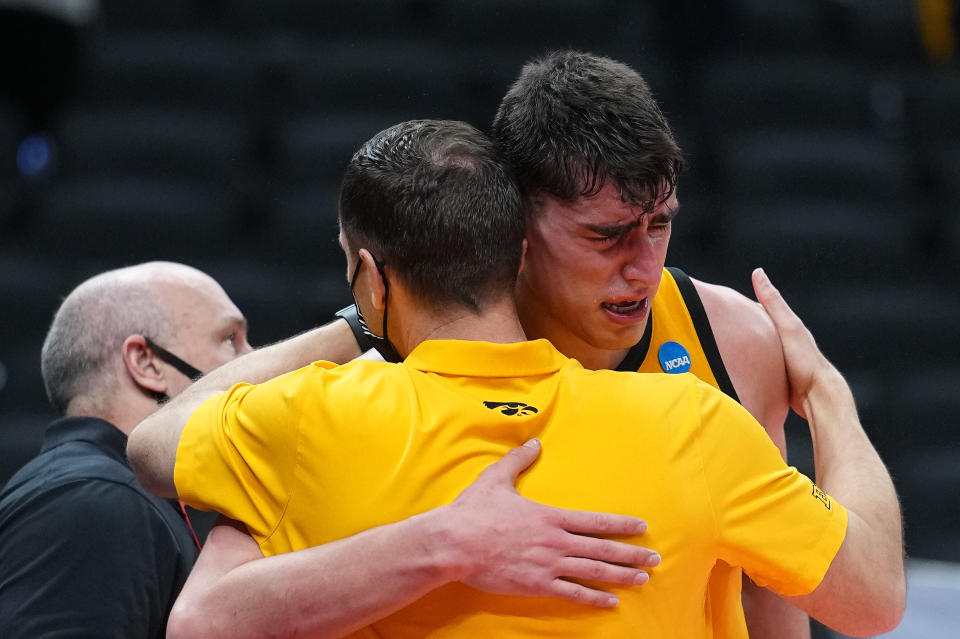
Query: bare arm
point(864, 590)
point(489, 538)
point(750, 349)
point(152, 447)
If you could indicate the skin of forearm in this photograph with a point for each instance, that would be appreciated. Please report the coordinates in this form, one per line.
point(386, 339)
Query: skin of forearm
point(845, 462)
point(848, 468)
point(326, 591)
point(332, 342)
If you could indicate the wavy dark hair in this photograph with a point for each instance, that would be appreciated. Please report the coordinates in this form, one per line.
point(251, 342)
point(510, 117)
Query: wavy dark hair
point(434, 202)
point(573, 121)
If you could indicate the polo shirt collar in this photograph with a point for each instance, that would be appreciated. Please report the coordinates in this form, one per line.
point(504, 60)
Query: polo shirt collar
point(98, 432)
point(486, 359)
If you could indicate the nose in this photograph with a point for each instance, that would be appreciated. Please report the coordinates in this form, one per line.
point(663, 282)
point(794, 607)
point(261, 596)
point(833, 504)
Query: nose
point(642, 260)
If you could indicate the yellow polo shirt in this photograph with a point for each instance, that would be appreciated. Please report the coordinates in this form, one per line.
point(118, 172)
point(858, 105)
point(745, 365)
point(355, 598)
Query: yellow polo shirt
point(677, 317)
point(325, 452)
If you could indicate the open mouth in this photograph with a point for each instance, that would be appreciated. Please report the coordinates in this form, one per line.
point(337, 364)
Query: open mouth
point(627, 309)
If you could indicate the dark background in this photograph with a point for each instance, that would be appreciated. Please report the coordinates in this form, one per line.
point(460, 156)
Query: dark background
point(823, 140)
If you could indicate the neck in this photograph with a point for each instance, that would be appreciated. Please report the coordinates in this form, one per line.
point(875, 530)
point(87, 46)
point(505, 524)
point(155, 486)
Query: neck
point(498, 323)
point(123, 412)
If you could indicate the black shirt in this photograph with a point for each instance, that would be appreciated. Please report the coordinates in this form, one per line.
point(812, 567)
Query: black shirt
point(85, 551)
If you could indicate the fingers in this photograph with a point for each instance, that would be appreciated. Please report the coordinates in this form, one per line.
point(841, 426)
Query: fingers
point(581, 594)
point(509, 467)
point(611, 551)
point(591, 523)
point(580, 568)
point(771, 300)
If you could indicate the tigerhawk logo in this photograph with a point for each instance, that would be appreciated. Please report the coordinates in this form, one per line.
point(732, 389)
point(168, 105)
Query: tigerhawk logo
point(512, 408)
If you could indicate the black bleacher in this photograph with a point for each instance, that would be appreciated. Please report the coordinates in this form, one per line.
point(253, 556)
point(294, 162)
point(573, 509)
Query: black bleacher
point(823, 144)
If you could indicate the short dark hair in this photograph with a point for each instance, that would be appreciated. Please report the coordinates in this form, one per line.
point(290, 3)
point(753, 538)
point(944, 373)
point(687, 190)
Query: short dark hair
point(572, 121)
point(434, 202)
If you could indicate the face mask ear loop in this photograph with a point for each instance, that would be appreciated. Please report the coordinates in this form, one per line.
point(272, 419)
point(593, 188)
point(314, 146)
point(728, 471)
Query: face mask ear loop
point(381, 343)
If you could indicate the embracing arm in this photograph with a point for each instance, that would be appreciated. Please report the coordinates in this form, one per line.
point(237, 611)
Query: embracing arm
point(864, 591)
point(152, 447)
point(751, 352)
point(490, 538)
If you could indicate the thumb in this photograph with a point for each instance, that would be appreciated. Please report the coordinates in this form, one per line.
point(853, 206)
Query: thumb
point(770, 298)
point(509, 467)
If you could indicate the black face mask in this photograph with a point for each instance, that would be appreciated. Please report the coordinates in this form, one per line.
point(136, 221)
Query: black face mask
point(382, 344)
point(168, 357)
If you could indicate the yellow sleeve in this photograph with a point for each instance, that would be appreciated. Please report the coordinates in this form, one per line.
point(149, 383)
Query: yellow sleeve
point(237, 453)
point(771, 519)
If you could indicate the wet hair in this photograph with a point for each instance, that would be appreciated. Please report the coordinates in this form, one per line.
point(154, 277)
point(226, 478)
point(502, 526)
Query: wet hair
point(433, 202)
point(573, 121)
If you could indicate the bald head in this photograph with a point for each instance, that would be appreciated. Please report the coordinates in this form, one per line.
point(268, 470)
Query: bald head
point(169, 303)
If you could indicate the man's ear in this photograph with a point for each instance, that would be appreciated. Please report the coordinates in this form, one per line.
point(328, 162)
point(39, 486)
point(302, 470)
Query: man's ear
point(375, 285)
point(143, 366)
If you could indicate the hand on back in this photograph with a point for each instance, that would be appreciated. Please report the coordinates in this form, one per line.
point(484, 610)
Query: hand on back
point(512, 545)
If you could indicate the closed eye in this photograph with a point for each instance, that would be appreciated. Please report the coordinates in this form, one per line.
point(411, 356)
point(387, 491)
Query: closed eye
point(607, 239)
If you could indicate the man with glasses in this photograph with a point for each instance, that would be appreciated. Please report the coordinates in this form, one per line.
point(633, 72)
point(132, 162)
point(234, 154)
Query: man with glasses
point(85, 551)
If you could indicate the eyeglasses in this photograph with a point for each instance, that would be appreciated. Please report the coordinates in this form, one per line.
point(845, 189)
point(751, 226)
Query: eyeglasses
point(173, 360)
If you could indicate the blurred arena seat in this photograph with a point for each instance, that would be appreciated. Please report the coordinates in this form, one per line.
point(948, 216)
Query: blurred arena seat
point(31, 286)
point(159, 15)
point(820, 163)
point(315, 149)
point(884, 326)
point(798, 25)
point(360, 20)
point(22, 434)
point(171, 144)
point(498, 22)
point(923, 408)
point(814, 240)
point(279, 300)
point(159, 69)
point(933, 103)
point(740, 93)
point(303, 230)
point(412, 78)
point(134, 219)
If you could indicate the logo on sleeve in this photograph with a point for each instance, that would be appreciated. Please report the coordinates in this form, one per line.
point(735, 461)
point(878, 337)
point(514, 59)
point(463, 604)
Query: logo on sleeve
point(821, 496)
point(674, 358)
point(512, 408)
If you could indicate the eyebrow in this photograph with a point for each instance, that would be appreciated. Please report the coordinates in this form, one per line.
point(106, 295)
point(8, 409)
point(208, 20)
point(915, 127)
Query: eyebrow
point(237, 321)
point(612, 230)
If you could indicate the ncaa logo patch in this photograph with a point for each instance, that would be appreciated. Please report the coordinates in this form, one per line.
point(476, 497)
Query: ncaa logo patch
point(674, 358)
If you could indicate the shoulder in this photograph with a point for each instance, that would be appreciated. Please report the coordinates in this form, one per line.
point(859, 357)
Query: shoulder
point(116, 502)
point(97, 516)
point(97, 549)
point(737, 320)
